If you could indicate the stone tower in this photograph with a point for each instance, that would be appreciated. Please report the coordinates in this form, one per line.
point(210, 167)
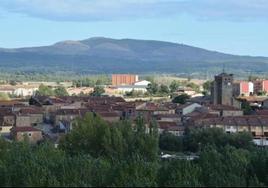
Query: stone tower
point(222, 90)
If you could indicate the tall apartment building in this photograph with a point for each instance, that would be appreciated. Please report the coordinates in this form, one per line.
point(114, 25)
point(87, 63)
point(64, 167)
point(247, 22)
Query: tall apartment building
point(243, 88)
point(260, 85)
point(222, 90)
point(124, 79)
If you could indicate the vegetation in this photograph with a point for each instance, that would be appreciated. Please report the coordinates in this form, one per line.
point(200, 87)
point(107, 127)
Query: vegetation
point(96, 154)
point(98, 91)
point(247, 109)
point(4, 97)
point(181, 99)
point(45, 91)
point(174, 86)
point(61, 91)
point(207, 87)
point(92, 81)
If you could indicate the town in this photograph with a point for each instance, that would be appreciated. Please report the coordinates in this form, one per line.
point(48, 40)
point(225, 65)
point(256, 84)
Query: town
point(232, 105)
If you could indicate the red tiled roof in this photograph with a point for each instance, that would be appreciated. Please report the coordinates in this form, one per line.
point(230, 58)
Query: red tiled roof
point(24, 129)
point(108, 114)
point(31, 110)
point(223, 107)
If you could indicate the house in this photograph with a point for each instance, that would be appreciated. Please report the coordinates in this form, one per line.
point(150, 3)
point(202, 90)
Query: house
point(171, 127)
point(66, 116)
point(142, 83)
point(109, 116)
point(255, 101)
point(33, 135)
point(255, 124)
point(78, 90)
point(7, 120)
point(224, 110)
point(129, 88)
point(168, 118)
point(36, 115)
point(187, 108)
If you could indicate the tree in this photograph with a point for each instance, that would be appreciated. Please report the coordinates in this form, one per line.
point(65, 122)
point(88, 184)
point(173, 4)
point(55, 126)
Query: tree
point(45, 91)
point(4, 97)
point(207, 87)
point(170, 142)
point(61, 91)
point(152, 88)
point(164, 89)
point(98, 91)
point(181, 99)
point(194, 86)
point(245, 106)
point(179, 173)
point(174, 86)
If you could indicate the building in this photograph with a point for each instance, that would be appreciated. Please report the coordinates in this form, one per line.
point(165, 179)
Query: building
point(222, 89)
point(243, 88)
point(256, 125)
point(128, 88)
point(224, 111)
point(260, 86)
point(124, 79)
point(142, 83)
point(187, 108)
point(21, 133)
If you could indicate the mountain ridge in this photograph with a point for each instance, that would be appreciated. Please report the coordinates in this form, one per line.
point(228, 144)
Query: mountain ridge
point(107, 55)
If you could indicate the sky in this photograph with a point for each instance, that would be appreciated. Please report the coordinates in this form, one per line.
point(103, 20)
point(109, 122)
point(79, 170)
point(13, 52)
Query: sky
point(231, 26)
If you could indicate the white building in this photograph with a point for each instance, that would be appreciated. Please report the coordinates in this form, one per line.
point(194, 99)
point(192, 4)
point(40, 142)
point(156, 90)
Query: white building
point(25, 91)
point(142, 83)
point(129, 88)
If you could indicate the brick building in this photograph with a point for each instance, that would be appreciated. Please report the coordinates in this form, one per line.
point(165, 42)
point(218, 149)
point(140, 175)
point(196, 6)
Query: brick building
point(124, 79)
point(260, 85)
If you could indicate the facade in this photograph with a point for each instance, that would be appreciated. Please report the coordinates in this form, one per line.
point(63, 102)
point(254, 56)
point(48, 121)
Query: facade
point(222, 90)
point(256, 125)
point(225, 111)
point(142, 83)
point(187, 108)
point(243, 88)
point(21, 133)
point(129, 88)
point(260, 85)
point(124, 79)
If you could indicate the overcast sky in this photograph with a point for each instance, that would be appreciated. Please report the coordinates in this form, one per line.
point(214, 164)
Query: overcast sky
point(231, 26)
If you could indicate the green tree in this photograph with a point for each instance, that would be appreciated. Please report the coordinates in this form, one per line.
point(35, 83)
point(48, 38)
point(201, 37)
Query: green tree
point(164, 89)
point(170, 142)
point(179, 173)
point(181, 99)
point(4, 96)
point(174, 86)
point(45, 91)
point(152, 88)
point(245, 106)
point(61, 91)
point(98, 91)
point(194, 86)
point(207, 85)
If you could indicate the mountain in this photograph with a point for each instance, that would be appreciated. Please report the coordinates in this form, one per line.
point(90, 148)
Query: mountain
point(105, 55)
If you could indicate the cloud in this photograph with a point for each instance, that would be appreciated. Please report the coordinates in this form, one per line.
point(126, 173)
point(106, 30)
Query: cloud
point(87, 10)
point(232, 10)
